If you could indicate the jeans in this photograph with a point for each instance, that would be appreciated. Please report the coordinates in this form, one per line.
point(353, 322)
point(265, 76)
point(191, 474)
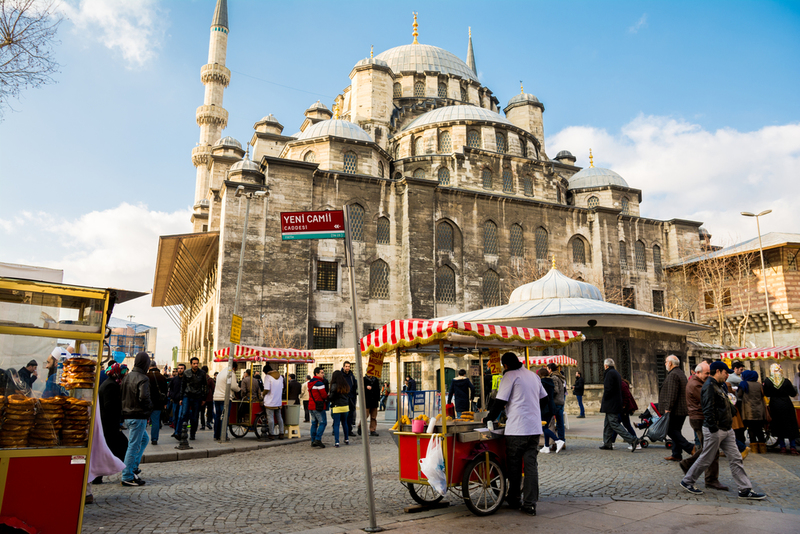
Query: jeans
point(560, 421)
point(340, 418)
point(580, 404)
point(612, 425)
point(305, 409)
point(219, 407)
point(382, 403)
point(206, 415)
point(269, 414)
point(190, 412)
point(782, 444)
point(155, 424)
point(712, 443)
point(137, 442)
point(318, 423)
point(522, 450)
point(548, 435)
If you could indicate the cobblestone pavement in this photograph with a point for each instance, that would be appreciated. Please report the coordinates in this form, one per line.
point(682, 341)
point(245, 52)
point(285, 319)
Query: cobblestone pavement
point(296, 487)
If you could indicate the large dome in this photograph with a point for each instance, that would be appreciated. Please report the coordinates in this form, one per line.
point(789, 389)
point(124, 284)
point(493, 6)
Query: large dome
point(336, 128)
point(555, 285)
point(420, 58)
point(595, 177)
point(455, 113)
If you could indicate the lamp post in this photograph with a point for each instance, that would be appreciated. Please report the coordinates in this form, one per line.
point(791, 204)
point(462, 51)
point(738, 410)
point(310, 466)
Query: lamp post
point(763, 270)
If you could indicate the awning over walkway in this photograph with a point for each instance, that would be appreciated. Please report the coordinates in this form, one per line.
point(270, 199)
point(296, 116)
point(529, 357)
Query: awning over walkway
point(181, 266)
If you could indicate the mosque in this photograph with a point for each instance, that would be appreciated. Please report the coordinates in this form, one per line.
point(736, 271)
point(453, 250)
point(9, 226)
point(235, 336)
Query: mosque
point(455, 203)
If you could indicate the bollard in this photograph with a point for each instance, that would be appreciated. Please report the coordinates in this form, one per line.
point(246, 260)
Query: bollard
point(184, 443)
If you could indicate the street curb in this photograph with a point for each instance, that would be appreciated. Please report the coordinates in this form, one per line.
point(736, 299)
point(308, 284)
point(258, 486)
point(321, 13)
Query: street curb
point(192, 454)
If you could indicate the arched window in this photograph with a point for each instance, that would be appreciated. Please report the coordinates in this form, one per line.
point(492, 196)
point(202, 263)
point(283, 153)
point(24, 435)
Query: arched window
point(398, 90)
point(419, 89)
point(357, 222)
point(623, 256)
point(397, 151)
point(383, 231)
point(516, 242)
point(541, 243)
point(473, 139)
point(418, 146)
point(444, 176)
point(350, 162)
point(500, 140)
point(489, 238)
point(625, 207)
point(442, 90)
point(464, 96)
point(444, 237)
point(486, 177)
point(593, 202)
point(445, 285)
point(491, 289)
point(508, 180)
point(641, 265)
point(419, 173)
point(310, 157)
point(380, 169)
point(523, 146)
point(527, 182)
point(657, 260)
point(379, 280)
point(578, 251)
point(445, 143)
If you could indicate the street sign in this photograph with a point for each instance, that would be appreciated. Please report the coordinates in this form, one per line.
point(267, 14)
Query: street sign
point(312, 225)
point(375, 366)
point(236, 329)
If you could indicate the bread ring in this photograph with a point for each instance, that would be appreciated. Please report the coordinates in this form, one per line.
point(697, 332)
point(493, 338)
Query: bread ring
point(79, 362)
point(20, 399)
point(78, 402)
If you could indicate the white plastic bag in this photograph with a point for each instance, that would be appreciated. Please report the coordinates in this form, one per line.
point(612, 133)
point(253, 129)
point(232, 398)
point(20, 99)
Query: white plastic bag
point(432, 466)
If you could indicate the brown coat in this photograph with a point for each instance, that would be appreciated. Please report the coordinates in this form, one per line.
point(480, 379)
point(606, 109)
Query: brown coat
point(753, 406)
point(693, 392)
point(672, 396)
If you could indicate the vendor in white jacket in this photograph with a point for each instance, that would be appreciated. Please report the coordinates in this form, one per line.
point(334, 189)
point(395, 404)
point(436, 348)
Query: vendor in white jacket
point(219, 397)
point(273, 391)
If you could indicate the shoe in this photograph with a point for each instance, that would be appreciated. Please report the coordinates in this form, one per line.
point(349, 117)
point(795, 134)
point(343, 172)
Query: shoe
point(133, 483)
point(691, 489)
point(721, 454)
point(347, 442)
point(751, 495)
point(176, 436)
point(373, 434)
point(137, 472)
point(320, 445)
point(314, 444)
point(672, 459)
point(514, 505)
point(745, 452)
point(762, 448)
point(559, 445)
point(607, 448)
point(635, 445)
point(359, 431)
point(529, 509)
point(154, 442)
point(89, 499)
point(336, 444)
point(545, 450)
point(694, 451)
point(717, 486)
point(581, 417)
point(783, 451)
point(638, 447)
point(192, 438)
point(793, 452)
point(306, 420)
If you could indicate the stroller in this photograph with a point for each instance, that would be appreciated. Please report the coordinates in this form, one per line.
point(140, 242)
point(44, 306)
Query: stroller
point(648, 418)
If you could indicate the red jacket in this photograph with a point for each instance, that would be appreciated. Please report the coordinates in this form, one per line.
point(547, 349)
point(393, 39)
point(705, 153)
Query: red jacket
point(317, 395)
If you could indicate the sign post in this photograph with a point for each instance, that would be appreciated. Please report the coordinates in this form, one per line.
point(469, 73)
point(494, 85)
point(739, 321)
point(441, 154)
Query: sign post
point(312, 225)
point(236, 329)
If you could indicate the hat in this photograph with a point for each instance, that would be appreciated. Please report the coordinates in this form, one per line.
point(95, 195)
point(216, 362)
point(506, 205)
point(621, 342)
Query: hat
point(716, 366)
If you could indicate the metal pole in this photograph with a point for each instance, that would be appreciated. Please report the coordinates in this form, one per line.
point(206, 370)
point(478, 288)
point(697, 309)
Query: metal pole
point(399, 389)
point(483, 389)
point(764, 275)
point(226, 411)
point(362, 403)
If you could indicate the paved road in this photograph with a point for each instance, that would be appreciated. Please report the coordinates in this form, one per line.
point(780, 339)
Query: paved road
point(296, 487)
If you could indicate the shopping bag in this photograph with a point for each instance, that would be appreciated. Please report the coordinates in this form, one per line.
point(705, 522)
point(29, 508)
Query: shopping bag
point(432, 466)
point(658, 430)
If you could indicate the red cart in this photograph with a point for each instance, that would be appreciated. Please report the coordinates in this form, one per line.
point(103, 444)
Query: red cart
point(474, 457)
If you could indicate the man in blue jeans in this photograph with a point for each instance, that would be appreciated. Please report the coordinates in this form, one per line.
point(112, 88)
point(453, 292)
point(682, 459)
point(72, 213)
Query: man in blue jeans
point(559, 398)
point(136, 408)
point(317, 405)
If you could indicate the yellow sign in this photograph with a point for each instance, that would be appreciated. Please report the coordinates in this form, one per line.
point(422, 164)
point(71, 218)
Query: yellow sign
point(236, 329)
point(495, 367)
point(375, 365)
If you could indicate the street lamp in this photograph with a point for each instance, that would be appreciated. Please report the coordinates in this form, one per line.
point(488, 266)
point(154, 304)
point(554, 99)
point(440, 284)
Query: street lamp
point(763, 270)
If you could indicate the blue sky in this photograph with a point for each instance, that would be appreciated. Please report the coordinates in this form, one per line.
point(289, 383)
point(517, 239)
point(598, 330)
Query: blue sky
point(693, 102)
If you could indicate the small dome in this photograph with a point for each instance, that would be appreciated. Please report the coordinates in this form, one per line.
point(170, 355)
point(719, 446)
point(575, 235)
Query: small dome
point(336, 128)
point(455, 113)
point(372, 61)
point(595, 177)
point(522, 98)
point(245, 164)
point(317, 105)
point(228, 141)
point(270, 118)
point(565, 154)
point(555, 285)
point(420, 58)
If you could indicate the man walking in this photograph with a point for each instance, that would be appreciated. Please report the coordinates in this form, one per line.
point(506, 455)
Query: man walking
point(672, 401)
point(735, 378)
point(273, 394)
point(519, 393)
point(560, 397)
point(611, 405)
point(352, 381)
point(372, 397)
point(174, 395)
point(136, 407)
point(317, 405)
point(304, 399)
point(158, 394)
point(219, 396)
point(577, 390)
point(717, 434)
point(207, 412)
point(193, 396)
point(462, 391)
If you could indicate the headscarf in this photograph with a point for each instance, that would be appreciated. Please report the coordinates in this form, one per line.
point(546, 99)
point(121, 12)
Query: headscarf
point(114, 372)
point(747, 376)
point(776, 374)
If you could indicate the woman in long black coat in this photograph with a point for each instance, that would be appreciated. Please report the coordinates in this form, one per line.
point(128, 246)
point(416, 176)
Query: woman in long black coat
point(781, 410)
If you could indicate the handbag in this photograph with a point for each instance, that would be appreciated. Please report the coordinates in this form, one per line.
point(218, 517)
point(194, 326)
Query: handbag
point(658, 431)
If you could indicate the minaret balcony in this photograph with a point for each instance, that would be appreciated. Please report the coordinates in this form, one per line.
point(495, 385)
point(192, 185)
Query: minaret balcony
point(215, 73)
point(214, 115)
point(200, 155)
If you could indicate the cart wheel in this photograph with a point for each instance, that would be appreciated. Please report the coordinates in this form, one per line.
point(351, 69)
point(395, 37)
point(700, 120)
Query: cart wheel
point(238, 431)
point(424, 494)
point(644, 443)
point(258, 425)
point(483, 493)
point(668, 444)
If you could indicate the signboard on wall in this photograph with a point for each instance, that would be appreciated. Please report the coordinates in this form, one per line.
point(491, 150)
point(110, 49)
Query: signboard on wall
point(312, 225)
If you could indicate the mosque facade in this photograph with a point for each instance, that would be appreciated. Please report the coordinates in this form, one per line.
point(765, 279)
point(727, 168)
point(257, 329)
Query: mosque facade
point(454, 199)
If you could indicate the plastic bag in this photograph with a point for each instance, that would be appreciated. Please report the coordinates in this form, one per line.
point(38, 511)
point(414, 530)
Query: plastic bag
point(658, 430)
point(432, 466)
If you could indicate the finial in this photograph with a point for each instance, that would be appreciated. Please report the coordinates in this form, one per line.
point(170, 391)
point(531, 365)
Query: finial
point(336, 111)
point(470, 32)
point(416, 33)
point(371, 51)
point(521, 89)
point(554, 261)
point(591, 160)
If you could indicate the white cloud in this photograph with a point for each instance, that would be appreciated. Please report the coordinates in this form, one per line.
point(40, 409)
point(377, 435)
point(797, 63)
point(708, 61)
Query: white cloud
point(685, 171)
point(641, 23)
point(135, 29)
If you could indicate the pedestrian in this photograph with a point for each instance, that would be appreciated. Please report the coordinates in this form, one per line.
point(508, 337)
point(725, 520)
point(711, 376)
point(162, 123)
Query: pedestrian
point(372, 395)
point(784, 421)
point(137, 404)
point(754, 409)
point(352, 382)
point(207, 412)
point(577, 390)
point(273, 394)
point(672, 401)
point(304, 398)
point(462, 390)
point(339, 398)
point(29, 374)
point(411, 384)
point(736, 377)
point(386, 390)
point(193, 397)
point(317, 406)
point(158, 394)
point(797, 383)
point(251, 388)
point(611, 405)
point(174, 395)
point(219, 396)
point(629, 407)
point(559, 398)
point(548, 410)
point(519, 394)
point(293, 390)
point(110, 399)
point(717, 434)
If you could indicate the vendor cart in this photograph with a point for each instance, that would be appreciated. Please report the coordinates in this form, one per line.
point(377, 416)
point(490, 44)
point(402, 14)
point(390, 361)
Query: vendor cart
point(474, 457)
point(248, 413)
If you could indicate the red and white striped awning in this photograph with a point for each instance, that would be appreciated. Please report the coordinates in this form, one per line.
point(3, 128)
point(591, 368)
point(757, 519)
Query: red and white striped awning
point(410, 332)
point(245, 353)
point(559, 359)
point(774, 353)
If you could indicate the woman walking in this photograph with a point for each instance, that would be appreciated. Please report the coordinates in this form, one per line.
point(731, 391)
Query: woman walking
point(340, 406)
point(754, 410)
point(781, 410)
point(547, 406)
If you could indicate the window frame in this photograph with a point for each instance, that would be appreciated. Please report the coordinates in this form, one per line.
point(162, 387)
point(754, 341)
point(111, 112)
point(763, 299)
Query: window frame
point(501, 142)
point(383, 228)
point(490, 238)
point(439, 176)
point(418, 84)
point(354, 157)
point(486, 172)
point(490, 281)
point(579, 249)
point(592, 202)
point(379, 288)
point(440, 296)
point(538, 242)
point(357, 221)
point(440, 237)
point(328, 333)
point(508, 180)
point(474, 138)
point(640, 260)
point(325, 276)
point(516, 241)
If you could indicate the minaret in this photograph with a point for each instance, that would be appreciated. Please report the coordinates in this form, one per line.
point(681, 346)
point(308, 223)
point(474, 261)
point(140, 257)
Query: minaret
point(471, 55)
point(211, 116)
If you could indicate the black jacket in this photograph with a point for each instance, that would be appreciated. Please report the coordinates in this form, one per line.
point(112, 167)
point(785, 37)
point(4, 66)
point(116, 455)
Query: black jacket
point(411, 385)
point(136, 400)
point(110, 395)
point(26, 376)
point(612, 392)
point(293, 391)
point(717, 408)
point(462, 389)
point(338, 399)
point(577, 389)
point(194, 384)
point(547, 405)
point(372, 396)
point(353, 383)
point(158, 388)
point(174, 393)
